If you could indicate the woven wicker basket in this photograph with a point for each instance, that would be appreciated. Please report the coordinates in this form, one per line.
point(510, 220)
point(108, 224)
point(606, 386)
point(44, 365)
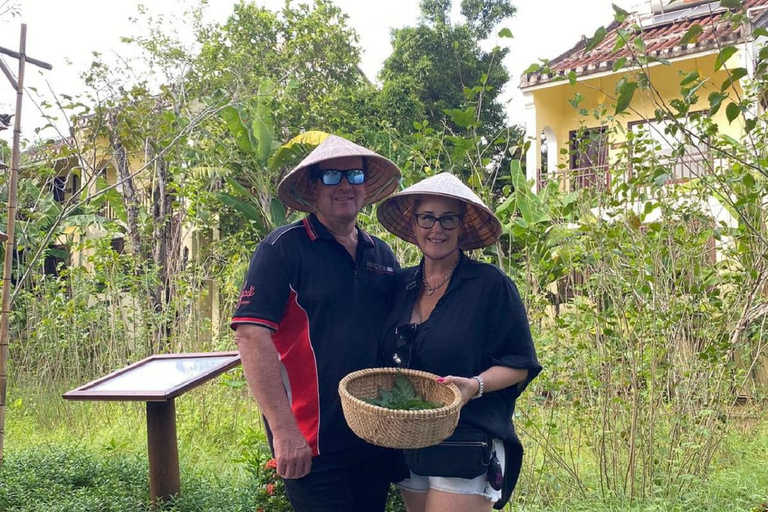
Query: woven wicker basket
point(397, 428)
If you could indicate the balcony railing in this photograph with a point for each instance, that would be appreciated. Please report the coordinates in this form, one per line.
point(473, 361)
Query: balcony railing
point(684, 168)
point(597, 178)
point(689, 167)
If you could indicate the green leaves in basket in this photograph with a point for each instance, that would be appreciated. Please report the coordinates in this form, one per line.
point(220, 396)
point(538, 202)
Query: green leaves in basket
point(402, 397)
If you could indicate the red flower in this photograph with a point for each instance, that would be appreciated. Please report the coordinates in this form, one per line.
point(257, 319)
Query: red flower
point(270, 489)
point(271, 464)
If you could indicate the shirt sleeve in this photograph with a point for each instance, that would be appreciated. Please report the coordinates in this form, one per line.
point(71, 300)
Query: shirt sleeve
point(509, 333)
point(265, 291)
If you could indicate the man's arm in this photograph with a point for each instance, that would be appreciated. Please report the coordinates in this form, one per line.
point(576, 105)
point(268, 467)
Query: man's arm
point(261, 365)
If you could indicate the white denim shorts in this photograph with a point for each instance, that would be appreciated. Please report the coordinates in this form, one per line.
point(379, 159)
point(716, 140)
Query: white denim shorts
point(478, 485)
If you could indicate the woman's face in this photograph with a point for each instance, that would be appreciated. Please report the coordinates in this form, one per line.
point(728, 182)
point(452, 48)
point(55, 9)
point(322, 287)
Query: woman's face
point(441, 239)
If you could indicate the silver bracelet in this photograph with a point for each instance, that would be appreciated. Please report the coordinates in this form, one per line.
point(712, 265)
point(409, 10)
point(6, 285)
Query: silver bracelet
point(481, 386)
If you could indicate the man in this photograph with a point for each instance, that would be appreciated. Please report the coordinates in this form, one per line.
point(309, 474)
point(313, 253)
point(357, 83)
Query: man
point(310, 312)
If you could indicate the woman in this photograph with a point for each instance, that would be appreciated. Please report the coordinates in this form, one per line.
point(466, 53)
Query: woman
point(463, 320)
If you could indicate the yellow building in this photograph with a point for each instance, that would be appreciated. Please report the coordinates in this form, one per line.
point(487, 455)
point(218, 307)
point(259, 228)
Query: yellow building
point(81, 169)
point(570, 101)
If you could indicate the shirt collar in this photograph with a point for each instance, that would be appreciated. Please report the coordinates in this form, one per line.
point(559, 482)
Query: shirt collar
point(317, 230)
point(466, 269)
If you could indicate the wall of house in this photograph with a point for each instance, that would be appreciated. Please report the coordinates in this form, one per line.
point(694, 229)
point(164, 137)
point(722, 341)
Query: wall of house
point(551, 109)
point(555, 112)
point(97, 163)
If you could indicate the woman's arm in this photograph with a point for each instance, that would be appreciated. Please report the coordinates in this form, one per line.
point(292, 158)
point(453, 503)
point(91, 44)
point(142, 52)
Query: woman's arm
point(494, 379)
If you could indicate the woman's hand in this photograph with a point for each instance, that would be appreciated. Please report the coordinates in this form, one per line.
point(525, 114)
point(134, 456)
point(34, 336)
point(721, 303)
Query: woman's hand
point(468, 387)
point(494, 378)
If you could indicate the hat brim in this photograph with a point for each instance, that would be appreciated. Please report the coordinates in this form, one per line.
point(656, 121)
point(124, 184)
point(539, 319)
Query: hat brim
point(480, 227)
point(297, 190)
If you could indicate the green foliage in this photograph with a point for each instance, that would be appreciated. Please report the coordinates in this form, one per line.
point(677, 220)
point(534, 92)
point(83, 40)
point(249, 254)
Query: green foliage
point(626, 90)
point(723, 56)
point(72, 480)
point(258, 461)
point(433, 65)
point(596, 39)
point(645, 337)
point(692, 34)
point(402, 396)
point(307, 51)
point(483, 15)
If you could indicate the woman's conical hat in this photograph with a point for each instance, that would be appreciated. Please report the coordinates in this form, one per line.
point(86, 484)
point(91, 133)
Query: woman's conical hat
point(480, 226)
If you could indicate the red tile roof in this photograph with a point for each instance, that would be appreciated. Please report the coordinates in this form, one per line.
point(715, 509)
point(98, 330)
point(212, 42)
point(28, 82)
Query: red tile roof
point(662, 40)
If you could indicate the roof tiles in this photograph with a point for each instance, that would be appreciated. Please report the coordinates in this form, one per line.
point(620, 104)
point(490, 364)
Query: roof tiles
point(662, 40)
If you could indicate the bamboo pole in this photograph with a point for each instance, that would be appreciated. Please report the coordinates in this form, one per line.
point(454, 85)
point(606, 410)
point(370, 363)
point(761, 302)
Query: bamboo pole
point(13, 182)
point(12, 186)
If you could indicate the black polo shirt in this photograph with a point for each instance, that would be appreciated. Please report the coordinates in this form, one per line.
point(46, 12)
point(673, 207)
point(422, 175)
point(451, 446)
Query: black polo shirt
point(326, 312)
point(479, 322)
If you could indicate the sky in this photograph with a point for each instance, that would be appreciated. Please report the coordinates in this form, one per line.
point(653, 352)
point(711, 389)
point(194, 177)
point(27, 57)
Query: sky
point(64, 33)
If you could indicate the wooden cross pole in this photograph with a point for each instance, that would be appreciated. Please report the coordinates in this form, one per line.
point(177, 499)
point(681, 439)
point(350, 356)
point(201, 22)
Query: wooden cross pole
point(17, 84)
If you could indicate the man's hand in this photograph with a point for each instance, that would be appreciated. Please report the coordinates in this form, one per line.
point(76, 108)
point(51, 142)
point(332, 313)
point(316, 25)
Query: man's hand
point(261, 365)
point(293, 455)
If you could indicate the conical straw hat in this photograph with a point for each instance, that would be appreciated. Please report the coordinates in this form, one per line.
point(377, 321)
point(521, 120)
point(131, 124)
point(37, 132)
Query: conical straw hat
point(480, 226)
point(297, 191)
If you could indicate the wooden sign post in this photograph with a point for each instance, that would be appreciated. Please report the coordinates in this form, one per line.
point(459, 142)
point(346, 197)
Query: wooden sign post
point(158, 380)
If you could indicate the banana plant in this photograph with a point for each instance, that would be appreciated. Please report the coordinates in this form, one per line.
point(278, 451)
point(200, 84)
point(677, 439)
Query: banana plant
point(261, 161)
point(539, 228)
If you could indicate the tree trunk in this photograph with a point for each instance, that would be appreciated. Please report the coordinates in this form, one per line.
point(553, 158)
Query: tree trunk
point(165, 249)
point(130, 197)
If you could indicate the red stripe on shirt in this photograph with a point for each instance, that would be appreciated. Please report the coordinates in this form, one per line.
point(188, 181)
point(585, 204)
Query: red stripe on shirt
point(253, 320)
point(310, 229)
point(295, 349)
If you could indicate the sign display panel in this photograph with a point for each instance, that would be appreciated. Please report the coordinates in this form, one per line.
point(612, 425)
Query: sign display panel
point(159, 377)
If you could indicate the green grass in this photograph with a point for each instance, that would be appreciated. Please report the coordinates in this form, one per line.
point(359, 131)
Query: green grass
point(91, 456)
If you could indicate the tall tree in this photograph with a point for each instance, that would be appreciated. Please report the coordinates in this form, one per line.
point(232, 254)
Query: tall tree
point(308, 52)
point(436, 66)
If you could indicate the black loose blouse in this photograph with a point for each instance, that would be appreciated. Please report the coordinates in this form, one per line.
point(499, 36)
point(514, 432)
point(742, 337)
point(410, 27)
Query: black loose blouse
point(478, 323)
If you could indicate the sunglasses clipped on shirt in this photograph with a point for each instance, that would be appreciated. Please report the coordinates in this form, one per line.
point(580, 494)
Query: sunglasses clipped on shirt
point(404, 336)
point(426, 221)
point(332, 177)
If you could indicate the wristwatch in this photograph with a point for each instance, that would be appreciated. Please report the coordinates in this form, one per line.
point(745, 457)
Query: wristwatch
point(480, 387)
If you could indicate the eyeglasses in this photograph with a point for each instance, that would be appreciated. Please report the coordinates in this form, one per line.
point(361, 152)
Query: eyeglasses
point(404, 336)
point(332, 177)
point(426, 221)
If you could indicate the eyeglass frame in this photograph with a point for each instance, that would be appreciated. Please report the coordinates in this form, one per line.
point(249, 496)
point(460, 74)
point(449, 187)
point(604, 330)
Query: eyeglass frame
point(425, 216)
point(322, 173)
point(405, 334)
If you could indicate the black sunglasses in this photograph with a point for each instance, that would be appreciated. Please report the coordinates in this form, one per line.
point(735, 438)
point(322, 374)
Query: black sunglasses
point(332, 177)
point(404, 336)
point(426, 221)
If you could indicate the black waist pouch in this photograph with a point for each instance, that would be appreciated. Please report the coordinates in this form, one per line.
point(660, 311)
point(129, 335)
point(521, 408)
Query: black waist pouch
point(466, 454)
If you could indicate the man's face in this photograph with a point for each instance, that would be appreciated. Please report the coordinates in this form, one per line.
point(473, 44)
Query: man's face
point(342, 202)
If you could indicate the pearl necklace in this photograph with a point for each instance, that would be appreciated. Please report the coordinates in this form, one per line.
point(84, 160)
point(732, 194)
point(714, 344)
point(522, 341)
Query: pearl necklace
point(432, 289)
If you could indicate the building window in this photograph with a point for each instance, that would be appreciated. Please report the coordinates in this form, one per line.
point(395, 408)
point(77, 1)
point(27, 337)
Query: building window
point(686, 156)
point(56, 257)
point(75, 183)
point(118, 245)
point(589, 159)
point(59, 189)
